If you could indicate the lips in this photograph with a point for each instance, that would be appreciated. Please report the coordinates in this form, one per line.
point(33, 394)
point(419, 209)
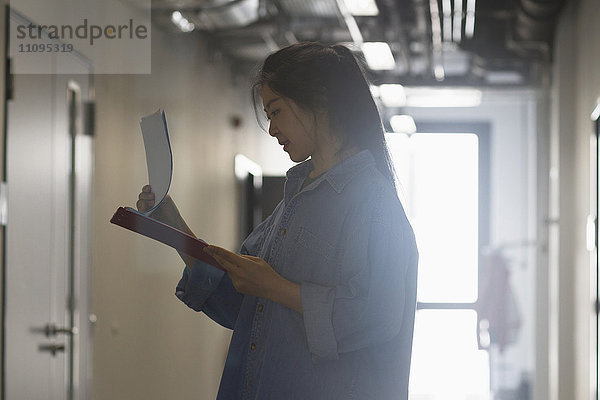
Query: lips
point(284, 143)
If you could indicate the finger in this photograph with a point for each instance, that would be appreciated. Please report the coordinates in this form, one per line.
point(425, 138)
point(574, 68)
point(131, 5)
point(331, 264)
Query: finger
point(224, 253)
point(226, 264)
point(147, 202)
point(143, 205)
point(146, 196)
point(146, 188)
point(251, 258)
point(229, 266)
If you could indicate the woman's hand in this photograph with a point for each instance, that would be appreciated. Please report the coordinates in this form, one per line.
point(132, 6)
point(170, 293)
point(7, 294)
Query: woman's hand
point(145, 199)
point(254, 276)
point(167, 213)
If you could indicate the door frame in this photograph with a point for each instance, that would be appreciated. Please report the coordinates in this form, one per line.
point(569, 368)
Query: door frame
point(80, 218)
point(7, 86)
point(595, 258)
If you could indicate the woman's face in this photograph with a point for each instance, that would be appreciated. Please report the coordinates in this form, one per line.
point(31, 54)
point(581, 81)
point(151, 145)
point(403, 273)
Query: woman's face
point(294, 127)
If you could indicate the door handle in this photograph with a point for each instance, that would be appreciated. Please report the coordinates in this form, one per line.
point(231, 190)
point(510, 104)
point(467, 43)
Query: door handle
point(53, 348)
point(53, 330)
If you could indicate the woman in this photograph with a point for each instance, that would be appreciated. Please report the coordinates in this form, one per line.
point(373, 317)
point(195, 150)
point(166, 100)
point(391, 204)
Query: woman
point(322, 298)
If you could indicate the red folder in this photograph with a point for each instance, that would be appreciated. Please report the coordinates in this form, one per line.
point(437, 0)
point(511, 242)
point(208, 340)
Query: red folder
point(135, 221)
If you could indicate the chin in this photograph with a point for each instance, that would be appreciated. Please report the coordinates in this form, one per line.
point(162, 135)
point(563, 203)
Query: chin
point(296, 158)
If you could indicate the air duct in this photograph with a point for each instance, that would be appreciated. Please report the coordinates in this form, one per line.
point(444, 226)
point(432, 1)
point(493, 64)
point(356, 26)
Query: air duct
point(535, 20)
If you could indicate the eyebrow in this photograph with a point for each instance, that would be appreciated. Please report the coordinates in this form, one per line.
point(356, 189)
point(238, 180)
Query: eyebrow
point(268, 106)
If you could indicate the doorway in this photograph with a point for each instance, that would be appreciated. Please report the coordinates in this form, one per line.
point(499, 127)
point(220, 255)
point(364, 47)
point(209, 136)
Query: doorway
point(444, 186)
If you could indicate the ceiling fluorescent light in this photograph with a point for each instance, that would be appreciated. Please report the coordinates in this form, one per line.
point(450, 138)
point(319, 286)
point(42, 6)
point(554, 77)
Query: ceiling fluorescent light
point(457, 24)
point(403, 124)
point(392, 95)
point(362, 7)
point(434, 97)
point(470, 19)
point(176, 17)
point(181, 22)
point(375, 92)
point(378, 55)
point(447, 25)
point(439, 73)
point(503, 77)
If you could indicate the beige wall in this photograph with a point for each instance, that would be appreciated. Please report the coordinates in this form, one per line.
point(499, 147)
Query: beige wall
point(576, 88)
point(147, 344)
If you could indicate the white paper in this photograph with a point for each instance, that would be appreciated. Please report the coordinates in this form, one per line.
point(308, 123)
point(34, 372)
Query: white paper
point(158, 155)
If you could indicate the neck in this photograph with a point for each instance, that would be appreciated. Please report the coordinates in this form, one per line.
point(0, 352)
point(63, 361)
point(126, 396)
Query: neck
point(327, 146)
point(324, 162)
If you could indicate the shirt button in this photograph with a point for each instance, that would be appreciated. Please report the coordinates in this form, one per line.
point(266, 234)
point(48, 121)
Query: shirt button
point(282, 231)
point(260, 308)
point(252, 346)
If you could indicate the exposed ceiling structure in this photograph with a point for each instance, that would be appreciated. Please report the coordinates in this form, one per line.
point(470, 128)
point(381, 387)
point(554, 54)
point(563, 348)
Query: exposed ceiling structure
point(433, 42)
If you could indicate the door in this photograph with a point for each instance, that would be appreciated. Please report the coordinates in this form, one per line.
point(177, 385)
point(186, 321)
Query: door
point(48, 175)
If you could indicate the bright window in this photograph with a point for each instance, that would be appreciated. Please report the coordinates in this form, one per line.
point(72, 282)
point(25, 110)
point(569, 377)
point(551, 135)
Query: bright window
point(439, 187)
point(446, 364)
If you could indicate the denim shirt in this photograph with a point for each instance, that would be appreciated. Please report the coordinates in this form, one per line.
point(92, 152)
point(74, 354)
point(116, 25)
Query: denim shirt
point(346, 240)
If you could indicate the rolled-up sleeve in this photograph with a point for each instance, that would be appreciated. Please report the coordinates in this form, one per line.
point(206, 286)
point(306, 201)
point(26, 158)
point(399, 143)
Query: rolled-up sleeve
point(210, 290)
point(367, 308)
point(197, 284)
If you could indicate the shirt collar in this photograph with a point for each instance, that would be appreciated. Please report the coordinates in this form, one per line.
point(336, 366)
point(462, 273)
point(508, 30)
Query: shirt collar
point(339, 175)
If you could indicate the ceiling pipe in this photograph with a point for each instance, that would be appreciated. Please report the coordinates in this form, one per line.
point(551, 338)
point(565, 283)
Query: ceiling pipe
point(223, 15)
point(351, 24)
point(535, 19)
point(436, 39)
point(421, 20)
point(396, 32)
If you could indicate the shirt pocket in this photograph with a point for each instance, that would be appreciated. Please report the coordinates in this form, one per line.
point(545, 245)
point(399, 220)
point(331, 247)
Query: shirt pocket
point(313, 259)
point(254, 243)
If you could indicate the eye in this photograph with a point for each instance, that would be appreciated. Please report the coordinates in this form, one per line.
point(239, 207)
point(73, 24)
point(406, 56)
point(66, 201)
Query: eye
point(273, 113)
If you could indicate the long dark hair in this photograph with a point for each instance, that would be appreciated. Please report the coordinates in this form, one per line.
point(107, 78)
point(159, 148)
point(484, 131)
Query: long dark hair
point(316, 76)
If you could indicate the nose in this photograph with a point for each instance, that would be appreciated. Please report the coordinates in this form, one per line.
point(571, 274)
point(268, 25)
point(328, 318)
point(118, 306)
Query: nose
point(272, 129)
